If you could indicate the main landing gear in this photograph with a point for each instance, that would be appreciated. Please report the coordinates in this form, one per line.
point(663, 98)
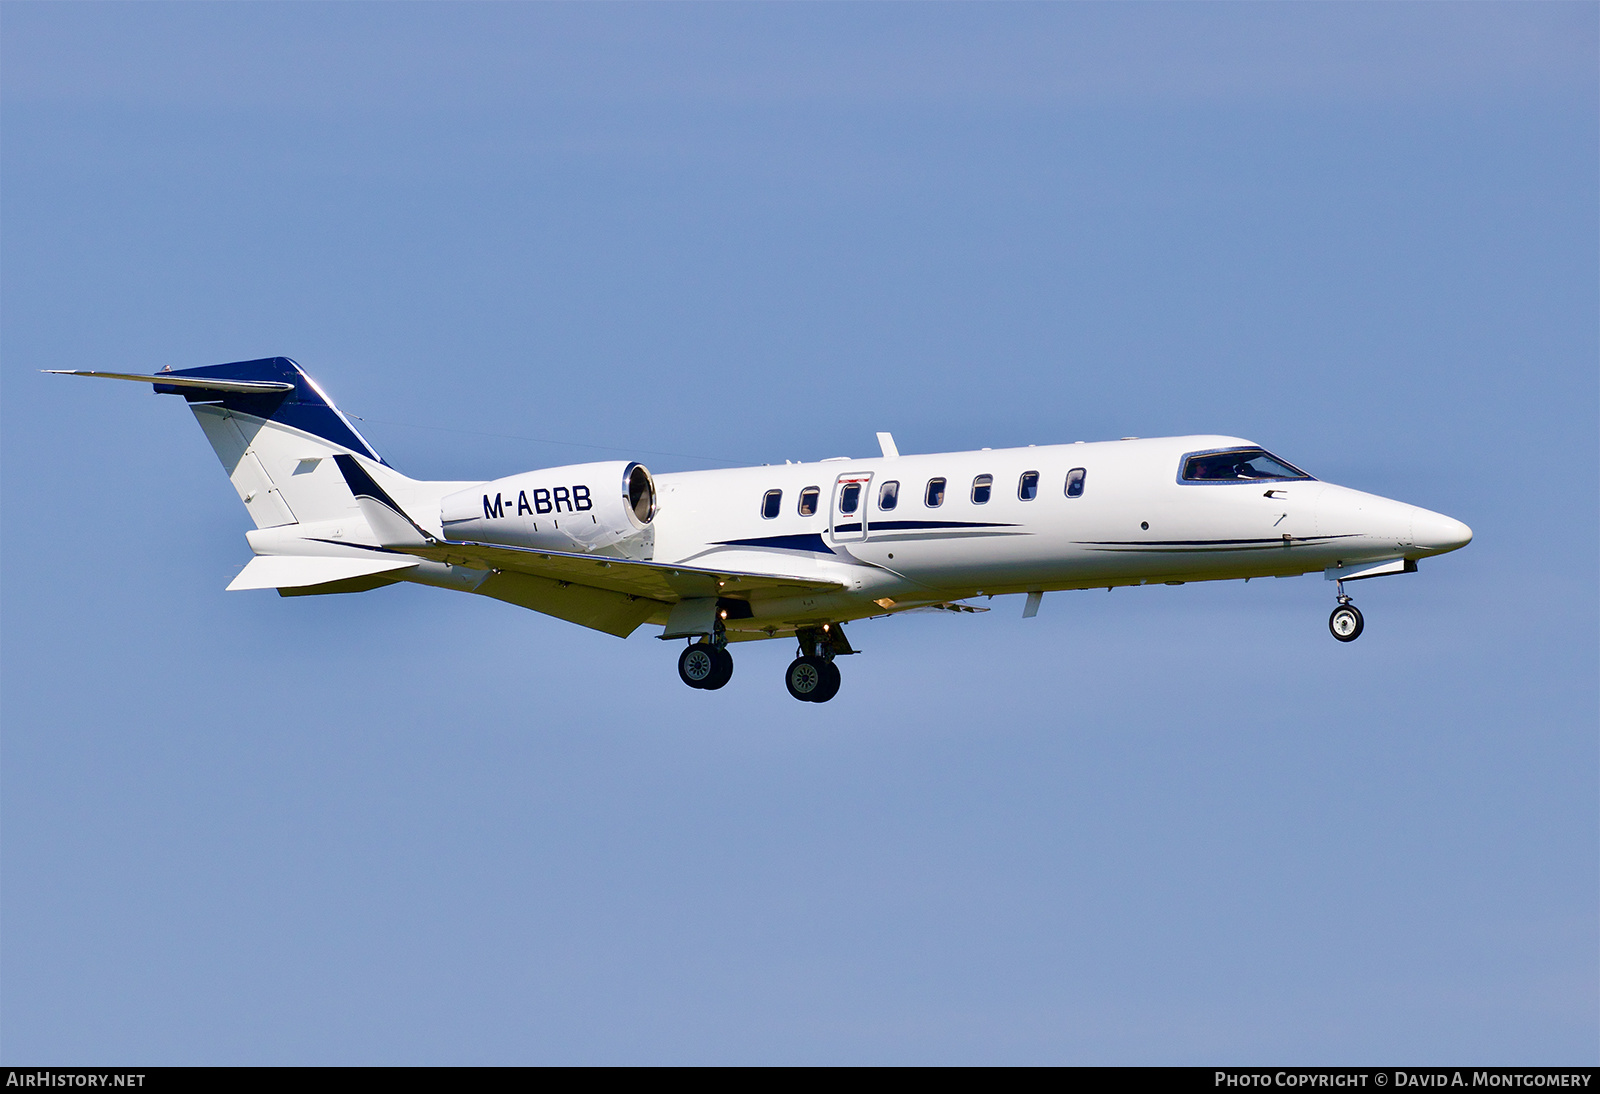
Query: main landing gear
point(706, 665)
point(1345, 623)
point(812, 677)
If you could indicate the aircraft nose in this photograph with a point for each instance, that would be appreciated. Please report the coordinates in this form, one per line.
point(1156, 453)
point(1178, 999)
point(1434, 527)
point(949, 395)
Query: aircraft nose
point(1437, 532)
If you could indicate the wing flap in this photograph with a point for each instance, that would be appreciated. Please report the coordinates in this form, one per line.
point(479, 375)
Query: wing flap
point(651, 580)
point(598, 609)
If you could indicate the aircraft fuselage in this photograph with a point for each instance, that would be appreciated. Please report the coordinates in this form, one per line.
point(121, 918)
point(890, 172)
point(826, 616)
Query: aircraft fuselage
point(1130, 519)
point(779, 551)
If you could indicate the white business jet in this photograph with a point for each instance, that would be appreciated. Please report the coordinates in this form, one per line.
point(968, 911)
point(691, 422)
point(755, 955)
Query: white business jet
point(795, 551)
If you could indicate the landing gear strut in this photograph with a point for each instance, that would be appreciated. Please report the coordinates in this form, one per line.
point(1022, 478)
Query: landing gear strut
point(707, 665)
point(812, 677)
point(1345, 623)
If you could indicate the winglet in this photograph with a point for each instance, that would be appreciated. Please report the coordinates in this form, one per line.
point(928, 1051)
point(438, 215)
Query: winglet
point(886, 442)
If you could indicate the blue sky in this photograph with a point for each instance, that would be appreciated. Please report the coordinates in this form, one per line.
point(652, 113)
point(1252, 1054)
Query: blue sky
point(1172, 825)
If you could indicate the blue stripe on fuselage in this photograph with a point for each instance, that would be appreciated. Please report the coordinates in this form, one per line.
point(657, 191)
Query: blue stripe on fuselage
point(808, 542)
point(924, 525)
point(814, 542)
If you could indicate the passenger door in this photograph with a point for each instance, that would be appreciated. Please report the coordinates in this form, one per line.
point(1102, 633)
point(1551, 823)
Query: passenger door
point(847, 519)
point(1289, 508)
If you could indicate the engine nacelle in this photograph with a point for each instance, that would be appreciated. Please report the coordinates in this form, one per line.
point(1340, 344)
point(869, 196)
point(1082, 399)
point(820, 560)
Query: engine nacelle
point(586, 507)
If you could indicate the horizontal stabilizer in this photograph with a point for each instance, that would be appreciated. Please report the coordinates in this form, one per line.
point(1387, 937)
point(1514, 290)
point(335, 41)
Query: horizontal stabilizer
point(239, 387)
point(296, 571)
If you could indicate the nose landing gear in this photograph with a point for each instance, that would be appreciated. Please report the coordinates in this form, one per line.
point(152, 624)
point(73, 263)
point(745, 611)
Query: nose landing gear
point(1345, 623)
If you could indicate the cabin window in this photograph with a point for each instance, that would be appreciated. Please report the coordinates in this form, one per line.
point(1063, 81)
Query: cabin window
point(1075, 479)
point(849, 498)
point(808, 500)
point(1238, 465)
point(982, 486)
point(889, 495)
point(772, 504)
point(935, 494)
point(1028, 485)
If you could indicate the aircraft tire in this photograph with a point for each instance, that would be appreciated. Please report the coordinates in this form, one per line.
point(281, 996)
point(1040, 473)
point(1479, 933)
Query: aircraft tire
point(697, 665)
point(721, 670)
point(830, 683)
point(805, 677)
point(1346, 623)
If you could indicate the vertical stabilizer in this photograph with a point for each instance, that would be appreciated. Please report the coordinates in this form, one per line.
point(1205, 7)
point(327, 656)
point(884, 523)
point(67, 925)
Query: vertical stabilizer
point(277, 446)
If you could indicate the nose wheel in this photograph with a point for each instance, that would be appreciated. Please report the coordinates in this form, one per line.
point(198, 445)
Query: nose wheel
point(1345, 623)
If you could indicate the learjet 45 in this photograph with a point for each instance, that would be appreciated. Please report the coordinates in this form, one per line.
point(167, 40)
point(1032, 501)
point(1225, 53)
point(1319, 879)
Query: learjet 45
point(793, 551)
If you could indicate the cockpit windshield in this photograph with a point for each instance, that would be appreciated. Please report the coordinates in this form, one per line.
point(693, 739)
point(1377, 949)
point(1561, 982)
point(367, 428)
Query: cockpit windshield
point(1237, 465)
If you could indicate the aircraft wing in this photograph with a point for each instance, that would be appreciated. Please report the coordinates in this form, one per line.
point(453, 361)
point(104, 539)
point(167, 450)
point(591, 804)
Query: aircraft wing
point(655, 581)
point(611, 594)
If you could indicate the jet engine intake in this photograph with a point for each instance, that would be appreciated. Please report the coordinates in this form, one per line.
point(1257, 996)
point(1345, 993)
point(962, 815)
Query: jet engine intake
point(603, 508)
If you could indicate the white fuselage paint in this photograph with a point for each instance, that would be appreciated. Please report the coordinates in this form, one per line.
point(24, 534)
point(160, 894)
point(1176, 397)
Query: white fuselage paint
point(604, 546)
point(1133, 524)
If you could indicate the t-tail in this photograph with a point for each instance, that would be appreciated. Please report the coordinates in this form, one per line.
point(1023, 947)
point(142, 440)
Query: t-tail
point(282, 441)
point(275, 432)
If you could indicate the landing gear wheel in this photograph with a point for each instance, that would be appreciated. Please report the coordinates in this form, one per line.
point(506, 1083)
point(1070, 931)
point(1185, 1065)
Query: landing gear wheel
point(1345, 623)
point(830, 683)
point(806, 678)
point(721, 670)
point(697, 665)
